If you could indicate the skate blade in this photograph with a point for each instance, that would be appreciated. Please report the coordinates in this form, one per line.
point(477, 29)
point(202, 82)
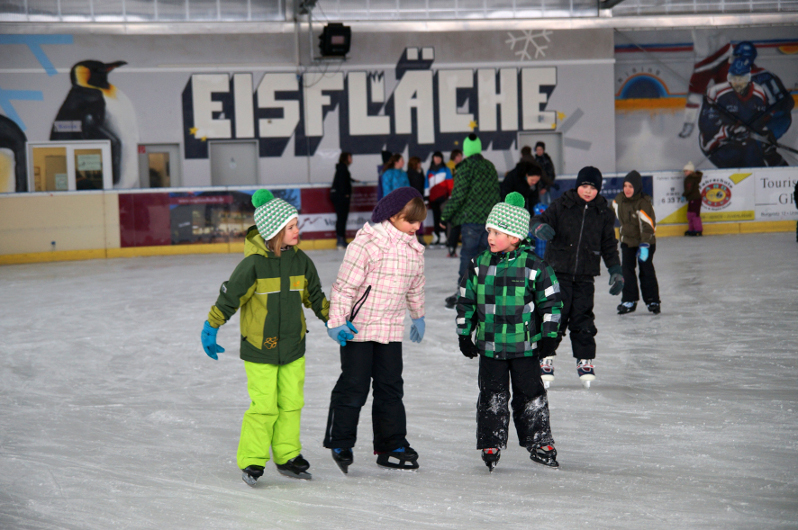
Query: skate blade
point(304, 475)
point(586, 383)
point(343, 467)
point(546, 384)
point(404, 465)
point(251, 481)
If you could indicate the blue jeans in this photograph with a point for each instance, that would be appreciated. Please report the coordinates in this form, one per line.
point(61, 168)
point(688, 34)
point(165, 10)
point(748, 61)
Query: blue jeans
point(475, 241)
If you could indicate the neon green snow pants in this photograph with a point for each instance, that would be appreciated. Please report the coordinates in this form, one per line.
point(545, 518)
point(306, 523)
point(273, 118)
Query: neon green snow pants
point(277, 397)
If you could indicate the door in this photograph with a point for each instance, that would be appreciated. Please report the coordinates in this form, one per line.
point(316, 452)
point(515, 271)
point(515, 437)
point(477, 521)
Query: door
point(553, 141)
point(234, 163)
point(159, 166)
point(69, 166)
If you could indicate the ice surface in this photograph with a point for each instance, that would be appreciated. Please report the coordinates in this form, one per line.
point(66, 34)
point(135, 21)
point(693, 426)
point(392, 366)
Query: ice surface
point(111, 416)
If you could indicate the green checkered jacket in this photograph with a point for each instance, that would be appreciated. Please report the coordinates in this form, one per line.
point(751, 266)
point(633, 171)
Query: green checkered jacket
point(475, 192)
point(512, 300)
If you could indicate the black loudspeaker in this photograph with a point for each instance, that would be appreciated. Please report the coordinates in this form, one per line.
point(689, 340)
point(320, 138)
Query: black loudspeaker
point(334, 40)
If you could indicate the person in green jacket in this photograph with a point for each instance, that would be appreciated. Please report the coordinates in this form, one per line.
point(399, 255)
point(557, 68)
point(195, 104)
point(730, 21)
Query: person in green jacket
point(270, 285)
point(638, 243)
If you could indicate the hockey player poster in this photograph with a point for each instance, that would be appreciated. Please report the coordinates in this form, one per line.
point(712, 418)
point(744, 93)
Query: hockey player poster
point(720, 98)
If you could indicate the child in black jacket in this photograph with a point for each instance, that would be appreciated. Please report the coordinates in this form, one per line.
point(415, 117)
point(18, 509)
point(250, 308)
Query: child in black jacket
point(580, 228)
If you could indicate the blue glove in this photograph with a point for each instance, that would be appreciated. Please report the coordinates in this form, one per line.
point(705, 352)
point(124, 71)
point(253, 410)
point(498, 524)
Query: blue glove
point(642, 252)
point(208, 338)
point(341, 334)
point(417, 330)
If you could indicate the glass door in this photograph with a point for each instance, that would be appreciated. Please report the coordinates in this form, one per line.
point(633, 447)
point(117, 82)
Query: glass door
point(69, 166)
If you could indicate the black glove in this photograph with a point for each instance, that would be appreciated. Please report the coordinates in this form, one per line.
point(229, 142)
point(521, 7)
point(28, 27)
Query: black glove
point(616, 280)
point(543, 231)
point(467, 346)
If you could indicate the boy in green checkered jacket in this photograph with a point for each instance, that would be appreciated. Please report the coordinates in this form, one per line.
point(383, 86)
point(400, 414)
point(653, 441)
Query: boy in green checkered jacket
point(511, 298)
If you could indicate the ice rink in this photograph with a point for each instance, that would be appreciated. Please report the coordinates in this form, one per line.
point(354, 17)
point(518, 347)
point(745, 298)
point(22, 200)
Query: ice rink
point(111, 415)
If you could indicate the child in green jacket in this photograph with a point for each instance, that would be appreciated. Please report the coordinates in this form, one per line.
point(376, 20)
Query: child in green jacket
point(270, 285)
point(511, 299)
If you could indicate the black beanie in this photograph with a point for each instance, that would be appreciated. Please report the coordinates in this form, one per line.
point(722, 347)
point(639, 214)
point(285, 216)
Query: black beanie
point(589, 175)
point(635, 180)
point(393, 203)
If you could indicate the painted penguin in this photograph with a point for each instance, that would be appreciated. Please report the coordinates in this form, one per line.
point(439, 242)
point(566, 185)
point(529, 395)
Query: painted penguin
point(94, 109)
point(12, 157)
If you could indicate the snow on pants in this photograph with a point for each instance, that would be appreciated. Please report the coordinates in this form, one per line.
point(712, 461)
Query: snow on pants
point(577, 315)
point(277, 396)
point(530, 404)
point(364, 364)
point(648, 276)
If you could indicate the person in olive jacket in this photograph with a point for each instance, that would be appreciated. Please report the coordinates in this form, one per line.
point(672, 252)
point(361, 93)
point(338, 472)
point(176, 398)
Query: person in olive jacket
point(270, 285)
point(638, 224)
point(580, 230)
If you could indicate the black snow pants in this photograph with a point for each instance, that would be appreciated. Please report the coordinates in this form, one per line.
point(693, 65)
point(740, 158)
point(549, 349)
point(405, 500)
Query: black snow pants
point(530, 403)
point(341, 216)
point(648, 276)
point(576, 293)
point(364, 364)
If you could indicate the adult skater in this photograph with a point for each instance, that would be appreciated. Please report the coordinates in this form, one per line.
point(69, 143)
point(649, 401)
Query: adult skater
point(511, 299)
point(476, 190)
point(638, 243)
point(341, 196)
point(393, 176)
point(274, 274)
point(381, 277)
point(579, 226)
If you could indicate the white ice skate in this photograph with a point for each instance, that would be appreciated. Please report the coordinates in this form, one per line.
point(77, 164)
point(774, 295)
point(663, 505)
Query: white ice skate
point(586, 371)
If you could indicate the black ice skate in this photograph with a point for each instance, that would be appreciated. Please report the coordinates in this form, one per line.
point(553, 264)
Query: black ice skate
point(343, 458)
point(654, 307)
point(297, 467)
point(627, 307)
point(251, 474)
point(544, 454)
point(402, 458)
point(491, 457)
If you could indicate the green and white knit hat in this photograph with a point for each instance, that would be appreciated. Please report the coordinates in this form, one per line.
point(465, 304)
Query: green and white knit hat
point(510, 216)
point(271, 214)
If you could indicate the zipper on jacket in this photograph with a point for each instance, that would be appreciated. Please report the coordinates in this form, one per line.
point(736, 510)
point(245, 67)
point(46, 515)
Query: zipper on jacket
point(579, 242)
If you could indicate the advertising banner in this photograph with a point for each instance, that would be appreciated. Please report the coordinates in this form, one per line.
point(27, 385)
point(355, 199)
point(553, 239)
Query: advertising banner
point(726, 196)
point(775, 199)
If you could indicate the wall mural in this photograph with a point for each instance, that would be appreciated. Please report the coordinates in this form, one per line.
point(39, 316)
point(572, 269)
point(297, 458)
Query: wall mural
point(722, 98)
point(12, 157)
point(95, 109)
point(413, 107)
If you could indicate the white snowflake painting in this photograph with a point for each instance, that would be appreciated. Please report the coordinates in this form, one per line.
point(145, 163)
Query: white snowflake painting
point(539, 40)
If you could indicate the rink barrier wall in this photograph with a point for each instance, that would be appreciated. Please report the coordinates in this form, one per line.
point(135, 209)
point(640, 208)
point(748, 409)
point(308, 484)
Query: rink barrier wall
point(83, 225)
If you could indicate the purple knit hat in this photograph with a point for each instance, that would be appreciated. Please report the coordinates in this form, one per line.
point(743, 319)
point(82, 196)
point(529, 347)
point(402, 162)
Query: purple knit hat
point(393, 203)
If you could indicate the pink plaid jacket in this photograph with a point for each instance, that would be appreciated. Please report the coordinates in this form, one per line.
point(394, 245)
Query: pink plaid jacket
point(392, 262)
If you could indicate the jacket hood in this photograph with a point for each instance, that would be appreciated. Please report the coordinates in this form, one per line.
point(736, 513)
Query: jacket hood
point(634, 178)
point(571, 198)
point(255, 244)
point(698, 175)
point(386, 233)
point(436, 167)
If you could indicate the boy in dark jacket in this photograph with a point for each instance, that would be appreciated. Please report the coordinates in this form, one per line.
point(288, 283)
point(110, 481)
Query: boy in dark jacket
point(511, 298)
point(638, 243)
point(580, 229)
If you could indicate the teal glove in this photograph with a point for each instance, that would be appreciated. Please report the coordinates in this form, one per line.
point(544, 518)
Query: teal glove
point(543, 231)
point(208, 338)
point(642, 252)
point(616, 280)
point(341, 334)
point(417, 330)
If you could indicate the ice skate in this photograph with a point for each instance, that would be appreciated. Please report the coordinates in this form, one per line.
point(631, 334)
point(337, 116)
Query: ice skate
point(340, 244)
point(547, 371)
point(402, 458)
point(626, 307)
point(297, 467)
point(491, 457)
point(251, 474)
point(654, 307)
point(585, 369)
point(544, 454)
point(343, 458)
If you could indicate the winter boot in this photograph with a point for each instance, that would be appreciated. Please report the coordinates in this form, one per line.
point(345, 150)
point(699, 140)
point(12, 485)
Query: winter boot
point(451, 301)
point(343, 458)
point(341, 243)
point(626, 307)
point(491, 457)
point(586, 372)
point(653, 307)
point(452, 252)
point(547, 371)
point(690, 233)
point(699, 233)
point(297, 467)
point(544, 454)
point(402, 458)
point(251, 474)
